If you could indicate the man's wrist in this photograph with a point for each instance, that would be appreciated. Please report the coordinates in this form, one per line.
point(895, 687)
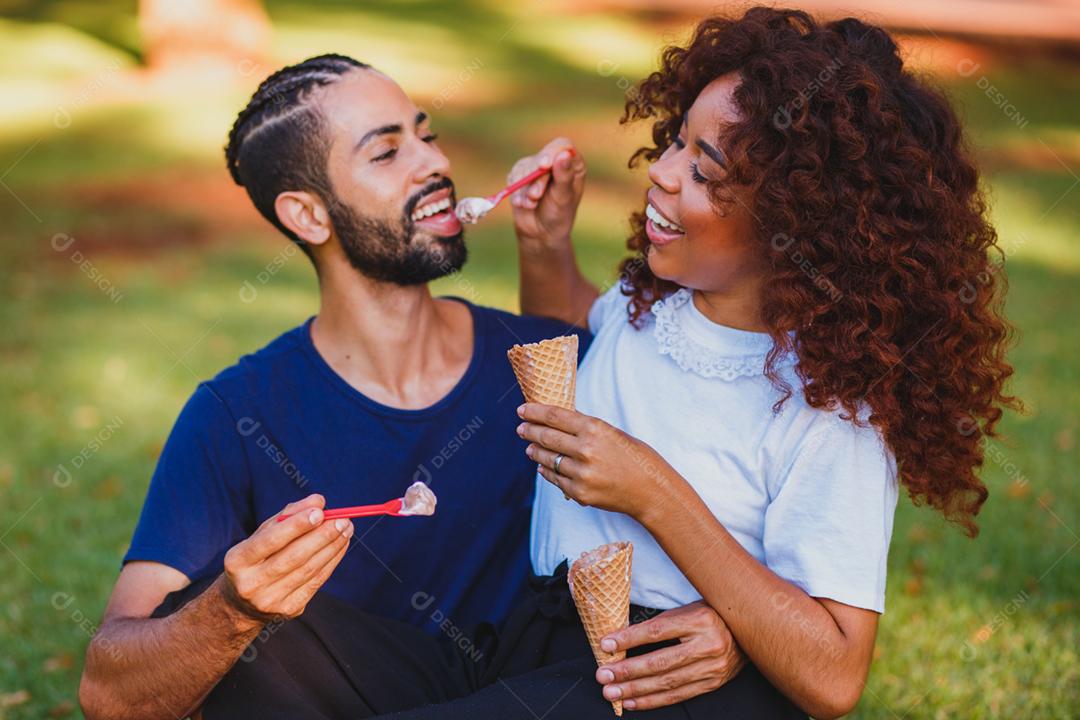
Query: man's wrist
point(243, 616)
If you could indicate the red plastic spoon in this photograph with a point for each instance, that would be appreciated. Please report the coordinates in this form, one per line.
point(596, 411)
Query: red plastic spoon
point(418, 500)
point(472, 209)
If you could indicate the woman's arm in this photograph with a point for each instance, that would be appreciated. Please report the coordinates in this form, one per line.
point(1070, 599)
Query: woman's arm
point(551, 282)
point(816, 651)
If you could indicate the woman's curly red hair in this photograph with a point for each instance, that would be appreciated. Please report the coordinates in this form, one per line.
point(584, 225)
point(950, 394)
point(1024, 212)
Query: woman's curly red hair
point(868, 207)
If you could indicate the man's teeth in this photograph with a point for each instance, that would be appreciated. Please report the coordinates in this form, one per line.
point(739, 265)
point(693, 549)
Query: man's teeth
point(658, 219)
point(431, 209)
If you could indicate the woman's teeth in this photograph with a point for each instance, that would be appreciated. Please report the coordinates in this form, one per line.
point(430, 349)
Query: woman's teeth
point(661, 221)
point(431, 209)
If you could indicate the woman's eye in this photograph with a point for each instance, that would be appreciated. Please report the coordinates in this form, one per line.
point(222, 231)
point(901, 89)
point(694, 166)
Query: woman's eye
point(680, 143)
point(431, 138)
point(385, 156)
point(696, 174)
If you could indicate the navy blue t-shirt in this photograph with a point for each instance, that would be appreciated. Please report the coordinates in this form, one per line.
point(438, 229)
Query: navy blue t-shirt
point(281, 424)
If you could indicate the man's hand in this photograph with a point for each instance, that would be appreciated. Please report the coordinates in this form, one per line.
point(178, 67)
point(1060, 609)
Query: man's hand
point(705, 658)
point(544, 210)
point(276, 571)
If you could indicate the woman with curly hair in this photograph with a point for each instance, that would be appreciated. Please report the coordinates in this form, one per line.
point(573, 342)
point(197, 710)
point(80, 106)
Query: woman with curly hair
point(810, 319)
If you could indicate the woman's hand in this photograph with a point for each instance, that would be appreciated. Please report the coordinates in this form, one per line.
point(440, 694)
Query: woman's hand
point(544, 210)
point(705, 658)
point(551, 282)
point(600, 466)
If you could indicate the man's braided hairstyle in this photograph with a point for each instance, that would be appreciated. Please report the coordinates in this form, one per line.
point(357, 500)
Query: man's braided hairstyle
point(279, 141)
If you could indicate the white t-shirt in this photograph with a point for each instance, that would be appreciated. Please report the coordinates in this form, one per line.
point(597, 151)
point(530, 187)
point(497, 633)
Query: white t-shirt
point(805, 492)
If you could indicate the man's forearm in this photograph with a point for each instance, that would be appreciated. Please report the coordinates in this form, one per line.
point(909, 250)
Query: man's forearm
point(552, 285)
point(164, 667)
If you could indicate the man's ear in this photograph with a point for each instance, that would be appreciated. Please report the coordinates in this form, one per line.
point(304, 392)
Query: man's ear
point(305, 215)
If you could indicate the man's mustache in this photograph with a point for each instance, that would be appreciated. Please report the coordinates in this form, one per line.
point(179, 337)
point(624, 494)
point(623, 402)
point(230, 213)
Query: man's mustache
point(434, 186)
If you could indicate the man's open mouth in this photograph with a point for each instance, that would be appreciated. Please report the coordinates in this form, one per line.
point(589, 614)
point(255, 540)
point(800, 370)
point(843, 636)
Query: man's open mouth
point(433, 207)
point(435, 213)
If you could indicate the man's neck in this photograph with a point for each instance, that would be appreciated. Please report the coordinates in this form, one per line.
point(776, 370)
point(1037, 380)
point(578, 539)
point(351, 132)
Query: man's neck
point(395, 344)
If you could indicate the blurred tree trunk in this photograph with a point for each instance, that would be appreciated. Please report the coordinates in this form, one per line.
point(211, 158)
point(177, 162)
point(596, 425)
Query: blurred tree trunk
point(204, 35)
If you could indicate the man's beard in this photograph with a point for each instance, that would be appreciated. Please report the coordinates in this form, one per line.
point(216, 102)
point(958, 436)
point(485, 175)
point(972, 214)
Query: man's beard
point(389, 251)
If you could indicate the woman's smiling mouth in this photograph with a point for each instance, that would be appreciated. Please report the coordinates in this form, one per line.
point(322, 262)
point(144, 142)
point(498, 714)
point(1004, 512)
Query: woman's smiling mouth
point(660, 229)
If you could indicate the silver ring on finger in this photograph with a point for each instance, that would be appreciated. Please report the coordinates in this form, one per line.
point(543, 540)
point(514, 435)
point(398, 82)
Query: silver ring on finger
point(555, 466)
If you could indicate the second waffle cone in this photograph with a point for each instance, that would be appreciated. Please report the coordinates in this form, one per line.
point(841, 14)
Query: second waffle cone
point(600, 585)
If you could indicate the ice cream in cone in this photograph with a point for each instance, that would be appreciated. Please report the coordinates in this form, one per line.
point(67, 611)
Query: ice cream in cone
point(547, 370)
point(600, 584)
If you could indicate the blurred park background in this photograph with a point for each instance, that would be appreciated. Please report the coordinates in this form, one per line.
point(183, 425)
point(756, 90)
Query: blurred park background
point(131, 268)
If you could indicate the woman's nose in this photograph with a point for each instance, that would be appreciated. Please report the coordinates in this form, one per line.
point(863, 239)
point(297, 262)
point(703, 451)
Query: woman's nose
point(663, 173)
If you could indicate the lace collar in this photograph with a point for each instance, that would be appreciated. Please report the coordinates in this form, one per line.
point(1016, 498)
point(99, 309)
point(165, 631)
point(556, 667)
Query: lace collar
point(700, 346)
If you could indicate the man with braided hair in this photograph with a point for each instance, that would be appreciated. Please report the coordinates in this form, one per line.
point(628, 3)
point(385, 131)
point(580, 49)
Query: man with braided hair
point(385, 386)
point(283, 141)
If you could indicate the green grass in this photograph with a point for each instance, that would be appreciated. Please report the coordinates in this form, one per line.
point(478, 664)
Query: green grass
point(984, 628)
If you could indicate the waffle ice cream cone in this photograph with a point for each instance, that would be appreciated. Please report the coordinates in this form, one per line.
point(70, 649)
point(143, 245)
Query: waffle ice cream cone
point(547, 370)
point(600, 584)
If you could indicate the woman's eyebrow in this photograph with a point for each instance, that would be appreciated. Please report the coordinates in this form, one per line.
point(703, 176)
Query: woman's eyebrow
point(716, 155)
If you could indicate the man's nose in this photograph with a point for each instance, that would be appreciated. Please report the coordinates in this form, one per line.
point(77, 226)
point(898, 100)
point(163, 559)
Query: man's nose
point(433, 163)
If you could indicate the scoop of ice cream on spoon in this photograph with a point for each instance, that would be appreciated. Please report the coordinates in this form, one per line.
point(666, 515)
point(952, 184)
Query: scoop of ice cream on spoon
point(473, 209)
point(418, 500)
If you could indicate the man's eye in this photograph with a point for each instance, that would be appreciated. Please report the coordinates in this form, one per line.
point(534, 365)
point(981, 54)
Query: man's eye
point(385, 156)
point(680, 143)
point(431, 138)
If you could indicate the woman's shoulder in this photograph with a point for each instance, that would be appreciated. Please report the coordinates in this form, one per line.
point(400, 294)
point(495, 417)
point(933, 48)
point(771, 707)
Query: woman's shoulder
point(812, 424)
point(611, 306)
point(829, 440)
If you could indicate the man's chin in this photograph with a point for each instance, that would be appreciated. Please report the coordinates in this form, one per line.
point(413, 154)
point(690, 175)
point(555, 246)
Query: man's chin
point(445, 245)
point(442, 256)
point(451, 251)
point(447, 240)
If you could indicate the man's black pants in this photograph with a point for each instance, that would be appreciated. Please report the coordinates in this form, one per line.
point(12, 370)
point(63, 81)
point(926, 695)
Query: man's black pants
point(335, 661)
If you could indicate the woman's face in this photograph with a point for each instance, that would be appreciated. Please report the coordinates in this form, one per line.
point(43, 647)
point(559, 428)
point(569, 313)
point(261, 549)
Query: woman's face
point(691, 242)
